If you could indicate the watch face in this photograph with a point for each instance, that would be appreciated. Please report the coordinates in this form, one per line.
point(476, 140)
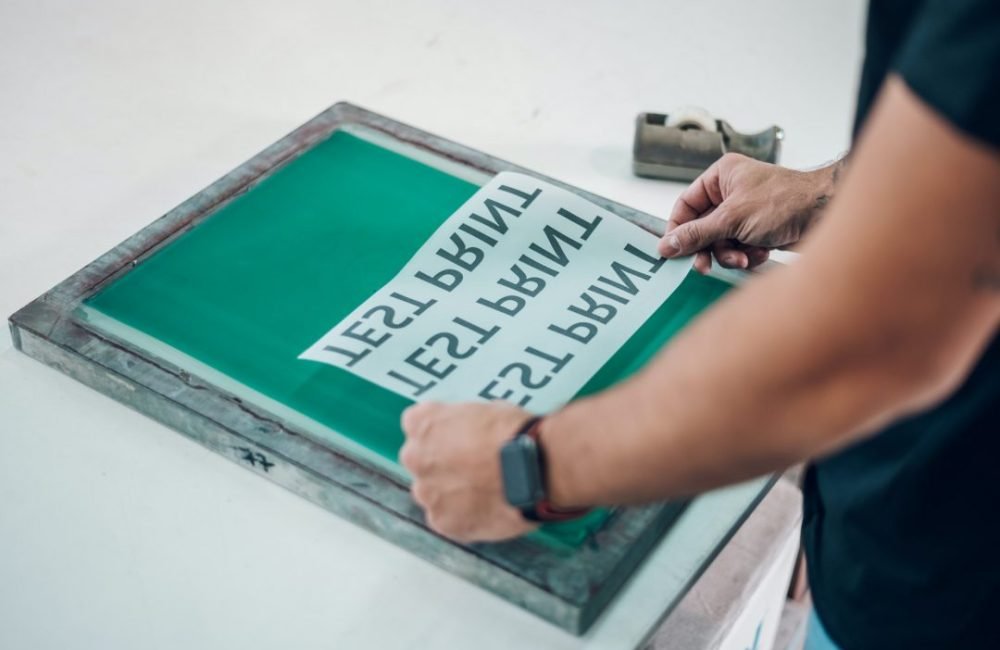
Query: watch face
point(522, 482)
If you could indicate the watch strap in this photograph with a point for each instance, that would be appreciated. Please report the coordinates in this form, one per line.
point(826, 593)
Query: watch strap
point(543, 510)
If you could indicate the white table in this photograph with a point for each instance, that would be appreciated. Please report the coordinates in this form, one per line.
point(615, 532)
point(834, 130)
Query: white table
point(119, 533)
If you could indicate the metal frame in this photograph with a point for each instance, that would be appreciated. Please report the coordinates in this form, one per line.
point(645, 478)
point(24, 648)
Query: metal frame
point(568, 588)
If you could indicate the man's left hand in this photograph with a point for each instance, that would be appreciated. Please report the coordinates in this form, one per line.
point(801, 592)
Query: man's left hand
point(453, 453)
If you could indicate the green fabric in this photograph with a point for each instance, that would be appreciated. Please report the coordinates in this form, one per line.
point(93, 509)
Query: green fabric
point(251, 287)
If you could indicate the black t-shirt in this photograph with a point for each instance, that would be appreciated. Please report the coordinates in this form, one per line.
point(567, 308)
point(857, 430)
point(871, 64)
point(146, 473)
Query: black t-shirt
point(902, 530)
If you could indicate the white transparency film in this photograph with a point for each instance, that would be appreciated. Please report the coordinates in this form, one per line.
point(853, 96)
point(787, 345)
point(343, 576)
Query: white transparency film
point(522, 294)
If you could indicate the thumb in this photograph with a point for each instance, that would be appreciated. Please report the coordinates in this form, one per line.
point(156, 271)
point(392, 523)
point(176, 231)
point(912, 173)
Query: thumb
point(689, 238)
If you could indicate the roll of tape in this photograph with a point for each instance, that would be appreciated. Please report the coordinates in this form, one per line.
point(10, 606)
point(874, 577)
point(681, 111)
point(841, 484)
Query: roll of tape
point(692, 117)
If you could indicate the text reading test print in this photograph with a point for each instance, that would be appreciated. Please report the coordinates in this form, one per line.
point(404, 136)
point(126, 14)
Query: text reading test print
point(521, 295)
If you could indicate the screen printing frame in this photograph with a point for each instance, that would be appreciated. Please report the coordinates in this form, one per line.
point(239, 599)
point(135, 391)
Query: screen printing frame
point(567, 587)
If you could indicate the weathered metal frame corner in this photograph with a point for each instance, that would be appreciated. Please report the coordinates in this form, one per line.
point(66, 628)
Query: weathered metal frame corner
point(569, 589)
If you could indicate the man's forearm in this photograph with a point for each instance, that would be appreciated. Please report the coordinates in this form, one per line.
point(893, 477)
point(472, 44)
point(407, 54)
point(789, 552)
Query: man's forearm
point(666, 432)
point(881, 317)
point(888, 310)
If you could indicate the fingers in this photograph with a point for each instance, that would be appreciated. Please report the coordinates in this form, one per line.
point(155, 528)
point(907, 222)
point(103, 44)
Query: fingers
point(500, 526)
point(693, 236)
point(700, 196)
point(703, 262)
point(455, 477)
point(757, 255)
point(733, 255)
point(702, 220)
point(729, 255)
point(416, 420)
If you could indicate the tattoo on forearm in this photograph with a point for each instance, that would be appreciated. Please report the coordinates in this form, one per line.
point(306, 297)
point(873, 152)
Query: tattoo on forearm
point(838, 167)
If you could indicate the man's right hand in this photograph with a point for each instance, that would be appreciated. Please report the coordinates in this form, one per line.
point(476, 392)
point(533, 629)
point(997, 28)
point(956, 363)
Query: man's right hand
point(740, 208)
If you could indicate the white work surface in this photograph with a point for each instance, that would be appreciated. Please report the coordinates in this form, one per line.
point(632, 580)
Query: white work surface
point(119, 533)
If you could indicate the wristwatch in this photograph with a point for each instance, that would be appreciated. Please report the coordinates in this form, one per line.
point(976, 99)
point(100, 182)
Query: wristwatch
point(522, 464)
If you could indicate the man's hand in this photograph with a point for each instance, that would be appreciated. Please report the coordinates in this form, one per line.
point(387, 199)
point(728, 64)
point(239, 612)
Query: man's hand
point(453, 453)
point(892, 303)
point(739, 208)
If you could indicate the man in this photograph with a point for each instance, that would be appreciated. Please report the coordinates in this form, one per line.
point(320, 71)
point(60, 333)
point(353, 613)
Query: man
point(876, 356)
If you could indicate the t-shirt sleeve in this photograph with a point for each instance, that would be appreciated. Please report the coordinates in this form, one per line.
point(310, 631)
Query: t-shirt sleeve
point(951, 59)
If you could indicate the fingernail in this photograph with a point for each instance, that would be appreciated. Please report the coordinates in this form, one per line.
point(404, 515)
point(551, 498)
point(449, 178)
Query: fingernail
point(670, 246)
